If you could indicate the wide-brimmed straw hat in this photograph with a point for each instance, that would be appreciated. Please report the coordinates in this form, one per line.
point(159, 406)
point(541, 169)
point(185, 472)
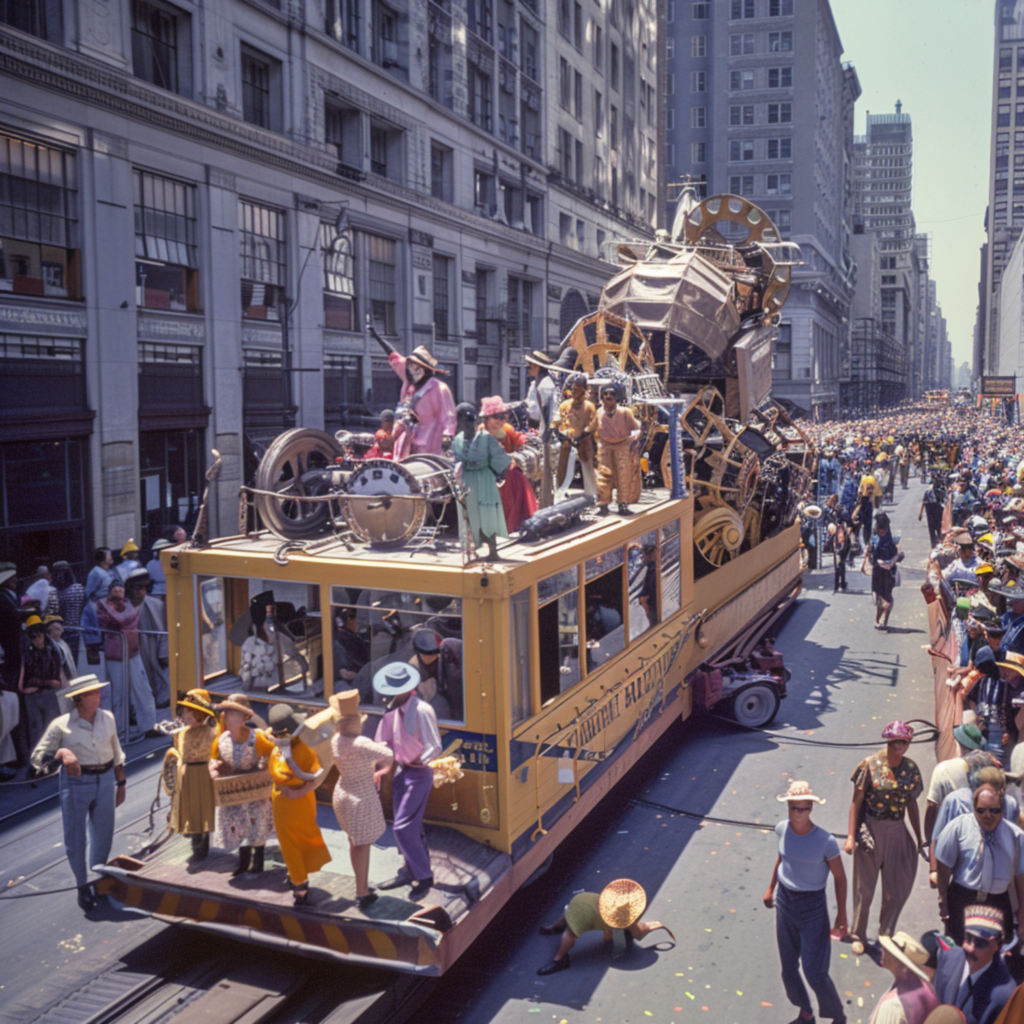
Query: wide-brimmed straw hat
point(1013, 661)
point(908, 951)
point(198, 700)
point(538, 358)
point(800, 790)
point(621, 902)
point(813, 511)
point(81, 685)
point(421, 356)
point(395, 679)
point(230, 705)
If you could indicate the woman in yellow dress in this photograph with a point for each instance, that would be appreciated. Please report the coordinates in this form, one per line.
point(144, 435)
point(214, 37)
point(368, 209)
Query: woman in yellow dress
point(297, 773)
point(193, 805)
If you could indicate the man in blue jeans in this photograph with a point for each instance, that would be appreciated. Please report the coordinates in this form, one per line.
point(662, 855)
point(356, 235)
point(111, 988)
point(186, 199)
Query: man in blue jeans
point(807, 854)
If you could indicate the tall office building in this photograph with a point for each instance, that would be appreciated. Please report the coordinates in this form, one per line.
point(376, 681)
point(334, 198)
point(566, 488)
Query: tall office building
point(759, 104)
point(203, 202)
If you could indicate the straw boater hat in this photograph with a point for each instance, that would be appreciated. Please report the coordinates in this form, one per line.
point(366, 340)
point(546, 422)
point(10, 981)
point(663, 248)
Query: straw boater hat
point(813, 511)
point(908, 951)
point(423, 358)
point(198, 700)
point(162, 543)
point(621, 903)
point(81, 685)
point(395, 679)
point(799, 790)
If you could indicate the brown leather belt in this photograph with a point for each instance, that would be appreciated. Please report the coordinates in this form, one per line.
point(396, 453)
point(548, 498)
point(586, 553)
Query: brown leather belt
point(96, 769)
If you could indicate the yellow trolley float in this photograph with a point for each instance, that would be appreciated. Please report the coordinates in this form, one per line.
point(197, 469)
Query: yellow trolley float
point(565, 660)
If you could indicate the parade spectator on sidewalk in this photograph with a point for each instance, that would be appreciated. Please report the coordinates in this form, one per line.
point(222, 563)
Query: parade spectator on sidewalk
point(101, 575)
point(55, 631)
point(911, 998)
point(40, 678)
point(954, 774)
point(72, 599)
point(124, 662)
point(886, 787)
point(807, 855)
point(153, 642)
point(10, 670)
point(156, 569)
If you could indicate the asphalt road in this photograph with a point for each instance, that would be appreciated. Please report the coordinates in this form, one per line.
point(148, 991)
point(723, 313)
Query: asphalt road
point(706, 881)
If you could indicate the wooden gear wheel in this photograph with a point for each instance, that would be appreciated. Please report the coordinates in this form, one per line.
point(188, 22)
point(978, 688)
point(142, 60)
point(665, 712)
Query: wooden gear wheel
point(603, 339)
point(718, 535)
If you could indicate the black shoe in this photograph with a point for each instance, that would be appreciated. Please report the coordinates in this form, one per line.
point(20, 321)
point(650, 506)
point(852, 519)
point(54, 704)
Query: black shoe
point(244, 860)
point(200, 846)
point(420, 889)
point(257, 860)
point(394, 883)
point(624, 509)
point(602, 510)
point(86, 897)
point(300, 895)
point(552, 929)
point(555, 966)
point(365, 901)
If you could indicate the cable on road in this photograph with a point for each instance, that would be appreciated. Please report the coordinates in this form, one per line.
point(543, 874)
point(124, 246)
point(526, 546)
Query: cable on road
point(928, 735)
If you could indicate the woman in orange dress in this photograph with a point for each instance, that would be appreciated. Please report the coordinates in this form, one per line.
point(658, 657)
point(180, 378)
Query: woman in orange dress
point(296, 772)
point(517, 498)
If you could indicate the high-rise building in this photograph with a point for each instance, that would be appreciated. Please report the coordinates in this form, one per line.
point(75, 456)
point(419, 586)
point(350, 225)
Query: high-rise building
point(759, 104)
point(203, 203)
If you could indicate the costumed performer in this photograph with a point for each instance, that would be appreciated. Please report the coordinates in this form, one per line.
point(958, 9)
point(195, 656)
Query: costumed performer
point(484, 463)
point(619, 468)
point(242, 750)
point(577, 425)
point(361, 764)
point(193, 804)
point(542, 406)
point(428, 403)
point(409, 728)
point(517, 497)
point(296, 772)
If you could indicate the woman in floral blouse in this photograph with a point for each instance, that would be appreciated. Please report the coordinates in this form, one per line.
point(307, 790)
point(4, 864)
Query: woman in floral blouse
point(886, 788)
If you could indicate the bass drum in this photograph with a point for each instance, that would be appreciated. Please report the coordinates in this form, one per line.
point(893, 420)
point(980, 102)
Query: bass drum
point(386, 502)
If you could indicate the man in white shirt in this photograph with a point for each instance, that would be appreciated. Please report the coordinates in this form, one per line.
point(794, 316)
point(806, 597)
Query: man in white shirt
point(542, 406)
point(92, 784)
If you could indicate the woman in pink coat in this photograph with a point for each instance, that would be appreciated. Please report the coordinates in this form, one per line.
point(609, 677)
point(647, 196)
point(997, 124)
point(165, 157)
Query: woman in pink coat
point(428, 399)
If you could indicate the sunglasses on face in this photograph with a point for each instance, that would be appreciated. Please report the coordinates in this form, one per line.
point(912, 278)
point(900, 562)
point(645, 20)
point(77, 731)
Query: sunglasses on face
point(977, 941)
point(988, 810)
point(802, 807)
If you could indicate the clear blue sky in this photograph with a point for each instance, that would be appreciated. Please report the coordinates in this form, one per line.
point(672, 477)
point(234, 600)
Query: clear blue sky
point(937, 58)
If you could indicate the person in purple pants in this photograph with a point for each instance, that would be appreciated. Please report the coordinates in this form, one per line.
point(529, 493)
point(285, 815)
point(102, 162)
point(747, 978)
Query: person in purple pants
point(409, 728)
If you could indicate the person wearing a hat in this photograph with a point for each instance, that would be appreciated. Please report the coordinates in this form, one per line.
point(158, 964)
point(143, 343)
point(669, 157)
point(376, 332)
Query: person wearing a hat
point(954, 774)
point(1012, 592)
point(409, 728)
point(92, 784)
point(351, 648)
point(932, 505)
point(807, 855)
point(618, 454)
point(120, 620)
point(55, 632)
point(241, 749)
point(979, 857)
point(517, 498)
point(156, 570)
point(426, 660)
point(193, 804)
point(361, 764)
point(542, 408)
point(966, 560)
point(426, 400)
point(41, 676)
point(483, 463)
point(129, 561)
point(886, 787)
point(985, 574)
point(296, 772)
point(615, 911)
point(268, 648)
point(911, 998)
point(154, 645)
point(973, 976)
point(577, 425)
point(998, 682)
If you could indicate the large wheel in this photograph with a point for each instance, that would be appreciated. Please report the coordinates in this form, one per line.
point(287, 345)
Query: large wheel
point(290, 456)
point(756, 705)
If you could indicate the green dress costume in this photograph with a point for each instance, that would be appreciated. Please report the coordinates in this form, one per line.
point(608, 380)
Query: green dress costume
point(483, 459)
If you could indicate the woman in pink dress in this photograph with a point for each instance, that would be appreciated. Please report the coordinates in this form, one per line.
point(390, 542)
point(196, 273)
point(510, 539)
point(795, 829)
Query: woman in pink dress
point(429, 401)
point(517, 497)
point(361, 764)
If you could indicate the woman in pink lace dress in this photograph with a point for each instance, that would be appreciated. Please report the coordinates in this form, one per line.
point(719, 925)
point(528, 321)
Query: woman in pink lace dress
point(361, 764)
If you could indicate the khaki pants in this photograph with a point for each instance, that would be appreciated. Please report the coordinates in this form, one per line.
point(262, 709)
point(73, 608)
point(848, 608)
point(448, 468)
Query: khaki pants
point(619, 470)
point(895, 858)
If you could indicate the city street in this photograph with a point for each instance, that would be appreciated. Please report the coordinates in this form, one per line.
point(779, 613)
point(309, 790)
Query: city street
point(704, 880)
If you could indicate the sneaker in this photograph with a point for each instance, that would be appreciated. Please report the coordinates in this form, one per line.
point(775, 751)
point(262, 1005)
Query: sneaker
point(555, 966)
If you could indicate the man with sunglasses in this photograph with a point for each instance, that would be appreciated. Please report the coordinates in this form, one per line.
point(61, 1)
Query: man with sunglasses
point(978, 857)
point(973, 976)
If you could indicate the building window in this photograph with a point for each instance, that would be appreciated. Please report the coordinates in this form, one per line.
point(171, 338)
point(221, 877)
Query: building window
point(441, 172)
point(598, 47)
point(386, 151)
point(780, 149)
point(782, 353)
point(741, 9)
point(481, 20)
point(741, 80)
point(780, 78)
point(577, 96)
point(698, 152)
point(165, 243)
point(577, 26)
point(670, 119)
point(160, 40)
point(528, 54)
point(741, 44)
point(699, 12)
point(613, 127)
point(780, 113)
point(343, 132)
point(1019, 114)
point(780, 42)
point(506, 29)
point(783, 220)
point(261, 232)
point(483, 193)
point(519, 313)
point(442, 296)
point(741, 115)
point(578, 146)
point(38, 220)
point(564, 83)
point(1003, 116)
point(480, 99)
point(564, 18)
point(698, 81)
point(563, 153)
point(343, 22)
point(598, 113)
point(42, 18)
point(261, 89)
point(381, 260)
point(698, 46)
point(387, 45)
point(779, 8)
point(439, 64)
point(565, 230)
point(339, 278)
point(698, 117)
point(741, 184)
point(614, 65)
point(779, 184)
point(741, 150)
point(343, 390)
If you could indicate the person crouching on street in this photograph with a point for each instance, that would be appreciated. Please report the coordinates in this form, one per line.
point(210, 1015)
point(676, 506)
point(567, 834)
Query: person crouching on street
point(92, 784)
point(807, 855)
point(615, 911)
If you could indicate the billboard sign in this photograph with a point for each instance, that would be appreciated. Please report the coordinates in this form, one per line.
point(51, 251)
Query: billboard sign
point(999, 387)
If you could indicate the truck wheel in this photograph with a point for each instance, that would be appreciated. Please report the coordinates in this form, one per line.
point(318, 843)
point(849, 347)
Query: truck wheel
point(755, 705)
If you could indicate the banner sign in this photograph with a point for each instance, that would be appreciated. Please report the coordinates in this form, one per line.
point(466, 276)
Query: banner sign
point(999, 387)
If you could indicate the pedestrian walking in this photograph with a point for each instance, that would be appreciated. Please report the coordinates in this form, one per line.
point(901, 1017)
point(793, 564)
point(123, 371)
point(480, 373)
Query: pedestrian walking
point(92, 784)
point(886, 787)
point(883, 554)
point(911, 998)
point(807, 855)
